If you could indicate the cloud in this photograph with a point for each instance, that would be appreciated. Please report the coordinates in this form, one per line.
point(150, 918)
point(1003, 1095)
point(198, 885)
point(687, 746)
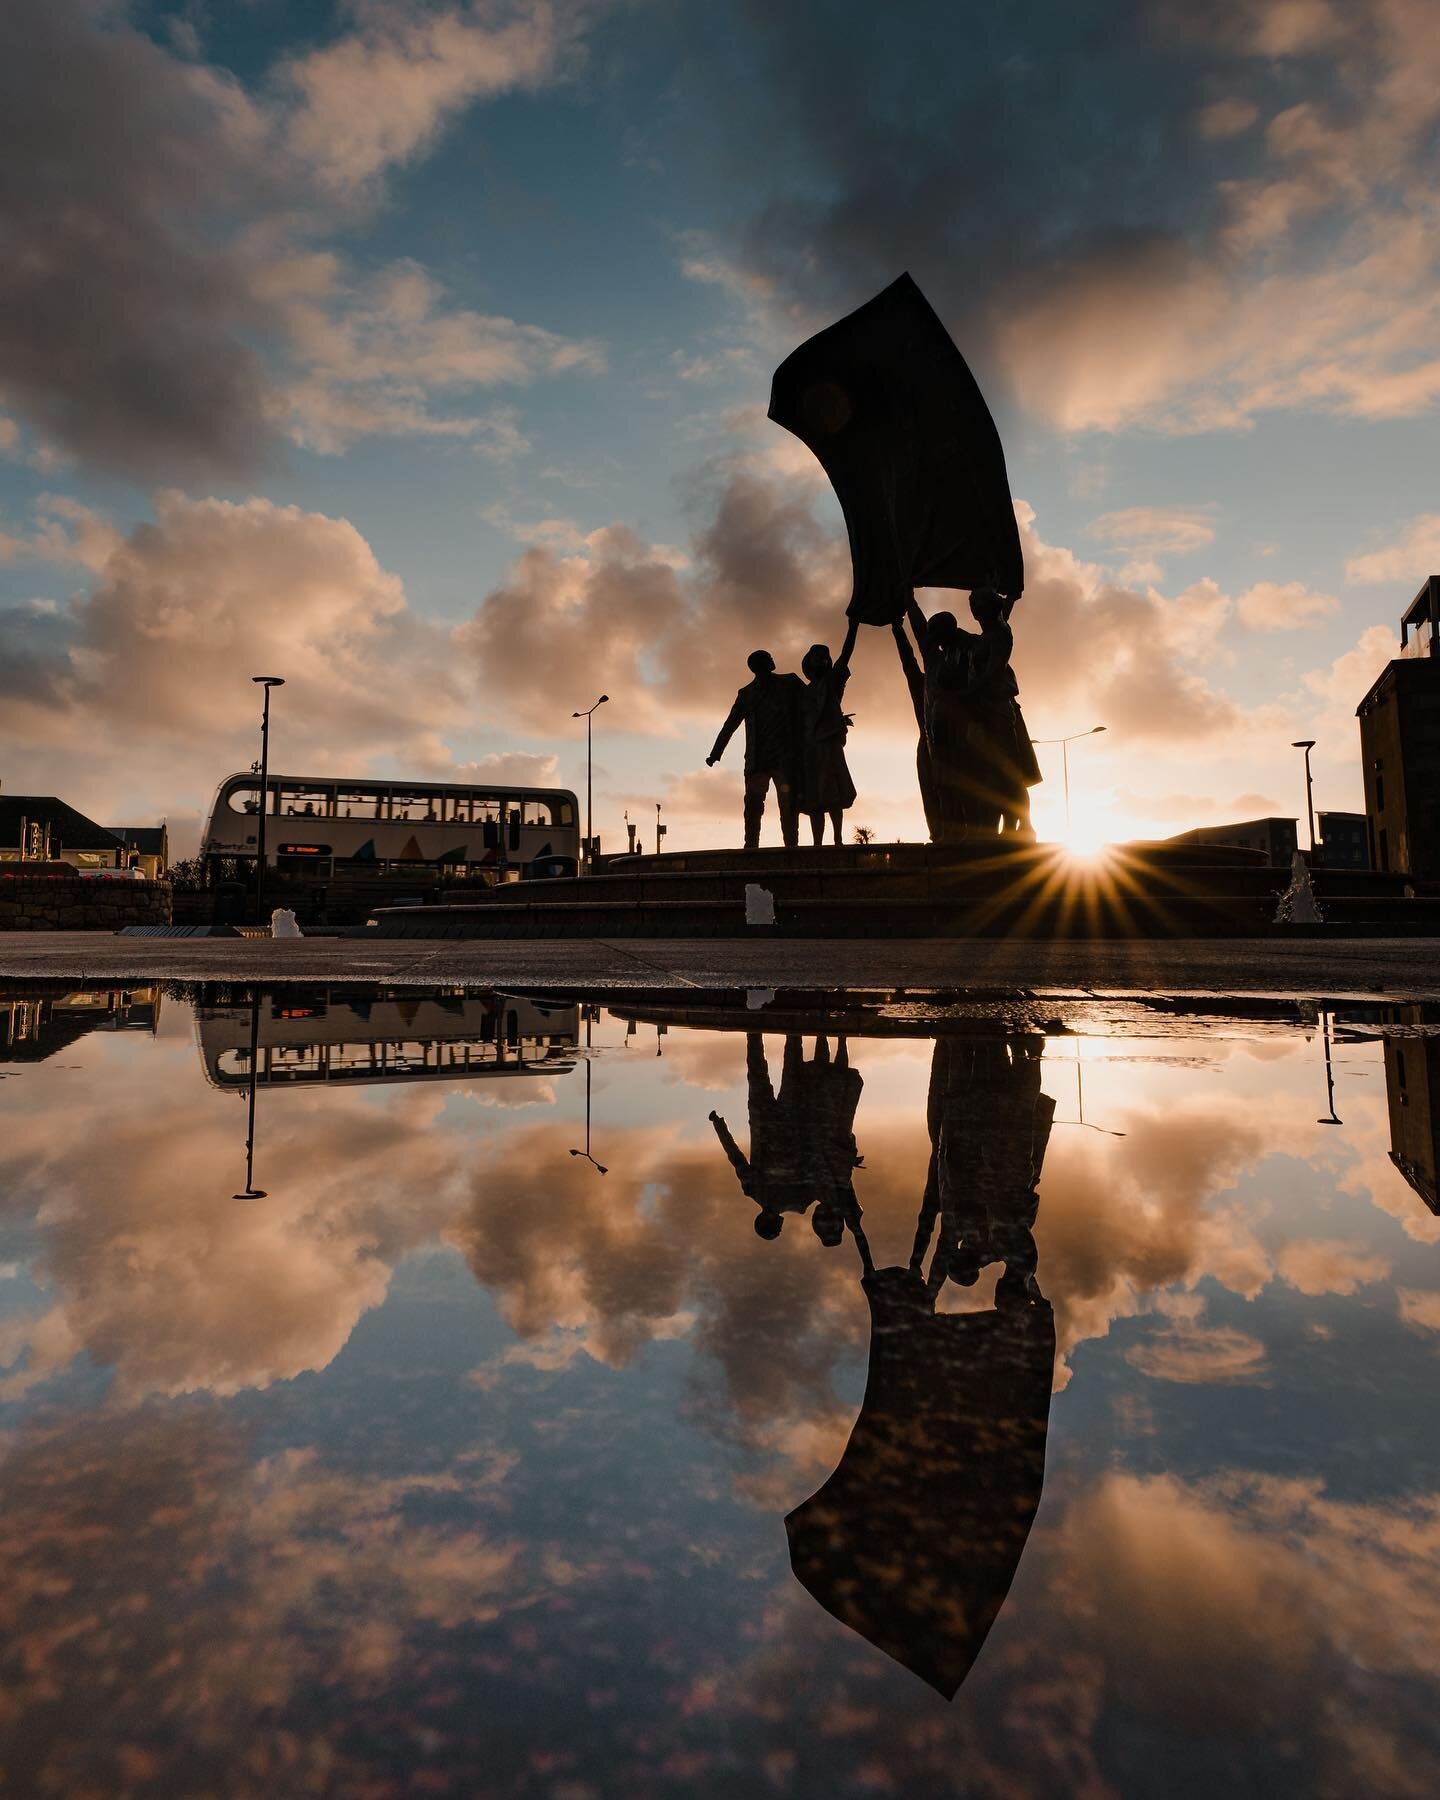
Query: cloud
point(158, 1543)
point(157, 654)
point(1208, 1356)
point(375, 357)
point(668, 631)
point(1413, 555)
point(1282, 606)
point(186, 207)
point(1325, 1266)
point(1155, 530)
point(167, 1282)
point(1231, 209)
point(117, 154)
point(377, 97)
point(1419, 1307)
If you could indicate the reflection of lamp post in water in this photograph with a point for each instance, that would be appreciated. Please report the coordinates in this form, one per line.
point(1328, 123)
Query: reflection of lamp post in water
point(1080, 1100)
point(1334, 1118)
point(589, 1020)
point(251, 1191)
point(267, 682)
point(1065, 743)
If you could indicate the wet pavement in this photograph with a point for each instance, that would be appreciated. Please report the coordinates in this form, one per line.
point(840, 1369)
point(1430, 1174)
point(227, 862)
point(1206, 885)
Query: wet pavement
point(734, 1393)
point(1308, 967)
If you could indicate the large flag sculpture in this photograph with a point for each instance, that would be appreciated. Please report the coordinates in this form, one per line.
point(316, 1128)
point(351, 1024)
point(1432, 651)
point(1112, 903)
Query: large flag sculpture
point(888, 405)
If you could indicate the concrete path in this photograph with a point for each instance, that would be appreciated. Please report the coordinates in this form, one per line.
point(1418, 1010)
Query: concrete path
point(1405, 969)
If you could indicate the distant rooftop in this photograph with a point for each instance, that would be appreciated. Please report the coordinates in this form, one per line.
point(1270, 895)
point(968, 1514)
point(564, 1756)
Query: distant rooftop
point(72, 829)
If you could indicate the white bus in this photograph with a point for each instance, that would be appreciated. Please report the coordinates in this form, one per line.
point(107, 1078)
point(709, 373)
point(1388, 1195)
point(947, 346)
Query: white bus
point(326, 827)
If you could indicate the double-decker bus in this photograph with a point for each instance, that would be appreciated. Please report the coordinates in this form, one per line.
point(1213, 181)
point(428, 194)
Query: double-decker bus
point(332, 826)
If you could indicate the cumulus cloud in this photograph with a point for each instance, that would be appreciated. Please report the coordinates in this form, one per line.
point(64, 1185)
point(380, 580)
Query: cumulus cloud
point(126, 328)
point(156, 195)
point(670, 629)
point(163, 1279)
point(378, 96)
point(1155, 530)
point(1282, 606)
point(1410, 558)
point(158, 1543)
point(1231, 209)
point(157, 653)
point(378, 355)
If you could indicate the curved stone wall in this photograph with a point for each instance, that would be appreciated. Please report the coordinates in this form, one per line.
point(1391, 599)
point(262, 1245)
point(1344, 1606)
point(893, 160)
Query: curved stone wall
point(28, 903)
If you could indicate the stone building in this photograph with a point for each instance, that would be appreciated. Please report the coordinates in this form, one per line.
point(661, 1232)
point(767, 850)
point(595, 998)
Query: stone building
point(1400, 746)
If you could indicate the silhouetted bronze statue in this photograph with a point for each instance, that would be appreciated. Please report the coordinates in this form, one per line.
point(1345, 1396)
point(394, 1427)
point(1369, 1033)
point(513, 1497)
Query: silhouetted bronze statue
point(769, 708)
point(826, 788)
point(802, 1140)
point(885, 401)
point(915, 1539)
point(981, 762)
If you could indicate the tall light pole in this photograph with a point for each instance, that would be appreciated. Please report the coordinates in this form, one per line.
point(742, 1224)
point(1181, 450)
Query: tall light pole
point(1307, 745)
point(267, 682)
point(1065, 743)
point(589, 718)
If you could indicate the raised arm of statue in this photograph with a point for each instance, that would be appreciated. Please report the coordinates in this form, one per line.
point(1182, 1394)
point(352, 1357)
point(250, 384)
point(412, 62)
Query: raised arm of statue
point(842, 661)
point(727, 731)
point(914, 680)
point(739, 1163)
point(920, 625)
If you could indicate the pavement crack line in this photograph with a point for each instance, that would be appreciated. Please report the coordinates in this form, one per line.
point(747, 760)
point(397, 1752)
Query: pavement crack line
point(654, 967)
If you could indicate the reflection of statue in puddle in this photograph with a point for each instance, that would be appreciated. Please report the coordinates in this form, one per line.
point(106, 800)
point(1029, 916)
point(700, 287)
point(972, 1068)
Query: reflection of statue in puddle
point(915, 1539)
point(802, 1140)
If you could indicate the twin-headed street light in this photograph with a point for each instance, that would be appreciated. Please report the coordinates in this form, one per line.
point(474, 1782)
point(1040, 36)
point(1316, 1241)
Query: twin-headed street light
point(589, 717)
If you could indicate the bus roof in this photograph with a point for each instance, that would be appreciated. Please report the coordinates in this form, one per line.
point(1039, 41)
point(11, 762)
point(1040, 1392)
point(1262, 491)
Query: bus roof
point(387, 785)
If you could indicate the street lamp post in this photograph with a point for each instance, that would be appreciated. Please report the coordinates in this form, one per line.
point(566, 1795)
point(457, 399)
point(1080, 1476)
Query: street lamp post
point(267, 682)
point(589, 718)
point(1307, 745)
point(1065, 743)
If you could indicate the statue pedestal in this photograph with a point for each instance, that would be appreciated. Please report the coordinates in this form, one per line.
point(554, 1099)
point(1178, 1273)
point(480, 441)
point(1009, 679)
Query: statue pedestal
point(997, 888)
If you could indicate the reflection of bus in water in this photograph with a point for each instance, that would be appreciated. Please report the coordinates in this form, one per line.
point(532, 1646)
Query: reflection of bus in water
point(334, 826)
point(311, 1037)
point(34, 1026)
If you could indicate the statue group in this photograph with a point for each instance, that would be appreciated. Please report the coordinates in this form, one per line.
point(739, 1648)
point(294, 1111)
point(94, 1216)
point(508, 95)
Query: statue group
point(975, 760)
point(886, 403)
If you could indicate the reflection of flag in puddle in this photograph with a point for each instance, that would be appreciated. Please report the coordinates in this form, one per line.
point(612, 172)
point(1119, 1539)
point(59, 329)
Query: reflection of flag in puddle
point(915, 1539)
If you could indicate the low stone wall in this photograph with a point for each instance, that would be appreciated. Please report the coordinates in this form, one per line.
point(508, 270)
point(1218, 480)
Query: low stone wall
point(60, 905)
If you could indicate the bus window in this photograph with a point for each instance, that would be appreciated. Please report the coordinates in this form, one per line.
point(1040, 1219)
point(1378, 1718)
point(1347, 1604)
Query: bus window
point(245, 800)
point(305, 803)
point(564, 813)
point(419, 807)
point(484, 809)
point(359, 803)
point(538, 812)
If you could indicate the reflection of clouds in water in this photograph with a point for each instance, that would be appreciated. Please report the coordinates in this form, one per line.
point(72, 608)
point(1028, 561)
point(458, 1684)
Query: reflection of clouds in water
point(1248, 1630)
point(1328, 1266)
point(156, 1271)
point(151, 1579)
point(1193, 1353)
point(1419, 1307)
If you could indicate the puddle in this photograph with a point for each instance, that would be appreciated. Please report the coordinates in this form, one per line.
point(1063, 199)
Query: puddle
point(490, 1395)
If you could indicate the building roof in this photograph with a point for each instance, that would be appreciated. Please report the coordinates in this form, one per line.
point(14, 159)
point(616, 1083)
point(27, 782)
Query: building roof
point(72, 829)
point(149, 840)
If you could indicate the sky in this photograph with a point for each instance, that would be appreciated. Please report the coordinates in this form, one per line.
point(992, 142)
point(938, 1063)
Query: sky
point(418, 351)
